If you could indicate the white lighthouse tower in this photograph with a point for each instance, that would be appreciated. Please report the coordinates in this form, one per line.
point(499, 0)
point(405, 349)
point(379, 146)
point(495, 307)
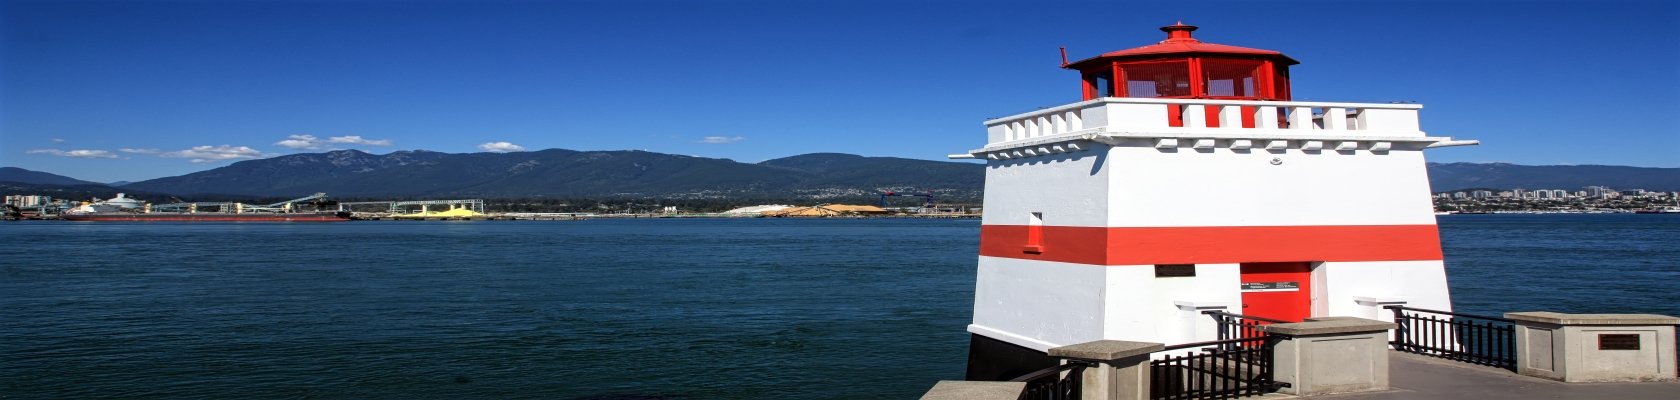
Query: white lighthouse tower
point(1185, 181)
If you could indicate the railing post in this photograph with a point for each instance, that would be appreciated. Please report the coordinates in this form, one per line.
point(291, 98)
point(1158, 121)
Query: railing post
point(1401, 329)
point(1122, 370)
point(1330, 355)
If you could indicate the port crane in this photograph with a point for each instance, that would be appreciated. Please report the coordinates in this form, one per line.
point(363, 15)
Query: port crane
point(284, 206)
point(927, 205)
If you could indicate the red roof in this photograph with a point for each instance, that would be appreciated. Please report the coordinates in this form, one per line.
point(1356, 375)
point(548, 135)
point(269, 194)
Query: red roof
point(1179, 42)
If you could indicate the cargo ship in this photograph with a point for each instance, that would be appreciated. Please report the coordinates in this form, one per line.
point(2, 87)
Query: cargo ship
point(211, 217)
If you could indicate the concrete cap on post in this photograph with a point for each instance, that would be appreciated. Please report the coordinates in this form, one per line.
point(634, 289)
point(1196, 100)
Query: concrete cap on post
point(1556, 318)
point(974, 390)
point(1106, 350)
point(1327, 326)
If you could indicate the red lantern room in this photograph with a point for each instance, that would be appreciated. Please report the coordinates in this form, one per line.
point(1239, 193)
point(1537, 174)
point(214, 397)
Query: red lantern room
point(1186, 68)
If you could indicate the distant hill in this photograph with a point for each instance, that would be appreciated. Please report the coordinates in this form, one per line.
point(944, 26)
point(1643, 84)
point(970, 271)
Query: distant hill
point(20, 175)
point(847, 170)
point(557, 173)
point(567, 173)
point(1457, 176)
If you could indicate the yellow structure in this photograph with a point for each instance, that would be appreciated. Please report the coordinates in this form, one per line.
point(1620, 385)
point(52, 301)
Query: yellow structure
point(455, 211)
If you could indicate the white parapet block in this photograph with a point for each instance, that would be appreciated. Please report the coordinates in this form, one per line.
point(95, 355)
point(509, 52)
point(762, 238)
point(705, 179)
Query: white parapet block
point(1250, 117)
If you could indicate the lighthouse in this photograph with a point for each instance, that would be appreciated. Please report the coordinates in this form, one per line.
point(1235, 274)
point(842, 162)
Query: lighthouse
point(1187, 180)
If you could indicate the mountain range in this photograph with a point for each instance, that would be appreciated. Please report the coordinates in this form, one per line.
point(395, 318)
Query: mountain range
point(567, 173)
point(558, 173)
point(1459, 176)
point(20, 175)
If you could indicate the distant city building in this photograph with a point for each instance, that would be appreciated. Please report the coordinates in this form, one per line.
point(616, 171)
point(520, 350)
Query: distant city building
point(1598, 191)
point(28, 200)
point(1460, 195)
point(1507, 194)
point(1559, 194)
point(1482, 194)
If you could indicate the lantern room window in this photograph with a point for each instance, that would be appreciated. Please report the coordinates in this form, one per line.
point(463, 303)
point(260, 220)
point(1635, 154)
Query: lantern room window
point(1100, 84)
point(1232, 78)
point(1105, 85)
point(1157, 79)
point(1280, 84)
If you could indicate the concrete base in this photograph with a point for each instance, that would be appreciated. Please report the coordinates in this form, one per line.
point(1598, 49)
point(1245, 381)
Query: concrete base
point(1331, 355)
point(1122, 371)
point(996, 360)
point(968, 390)
point(1595, 347)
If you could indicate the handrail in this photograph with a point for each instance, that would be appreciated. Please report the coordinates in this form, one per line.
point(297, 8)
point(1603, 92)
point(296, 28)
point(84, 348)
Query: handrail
point(1039, 374)
point(1262, 319)
point(1222, 369)
point(1209, 343)
point(1447, 313)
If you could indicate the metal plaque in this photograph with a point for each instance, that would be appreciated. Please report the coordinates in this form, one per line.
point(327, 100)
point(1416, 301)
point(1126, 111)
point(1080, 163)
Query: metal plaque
point(1271, 286)
point(1618, 341)
point(1174, 270)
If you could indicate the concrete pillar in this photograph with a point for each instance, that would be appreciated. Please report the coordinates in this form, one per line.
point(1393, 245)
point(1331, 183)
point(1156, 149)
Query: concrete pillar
point(1595, 347)
point(1122, 371)
point(975, 390)
point(1331, 355)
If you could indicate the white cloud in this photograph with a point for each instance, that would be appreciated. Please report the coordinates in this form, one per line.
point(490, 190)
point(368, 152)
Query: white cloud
point(358, 140)
point(207, 154)
point(300, 142)
point(140, 151)
point(310, 142)
point(501, 147)
point(721, 139)
point(57, 140)
point(74, 153)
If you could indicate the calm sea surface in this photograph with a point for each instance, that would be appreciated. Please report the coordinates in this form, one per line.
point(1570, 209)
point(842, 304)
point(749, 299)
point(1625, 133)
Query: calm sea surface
point(611, 309)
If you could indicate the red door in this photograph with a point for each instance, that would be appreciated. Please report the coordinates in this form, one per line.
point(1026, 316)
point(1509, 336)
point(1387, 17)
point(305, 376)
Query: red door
point(1277, 290)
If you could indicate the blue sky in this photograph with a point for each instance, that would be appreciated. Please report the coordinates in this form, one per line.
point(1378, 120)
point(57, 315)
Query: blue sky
point(185, 86)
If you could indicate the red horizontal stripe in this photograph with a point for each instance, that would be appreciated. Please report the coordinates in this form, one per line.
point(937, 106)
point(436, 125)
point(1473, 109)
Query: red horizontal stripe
point(1214, 244)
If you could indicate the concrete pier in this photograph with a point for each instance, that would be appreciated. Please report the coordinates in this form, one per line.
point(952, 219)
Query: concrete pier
point(1415, 377)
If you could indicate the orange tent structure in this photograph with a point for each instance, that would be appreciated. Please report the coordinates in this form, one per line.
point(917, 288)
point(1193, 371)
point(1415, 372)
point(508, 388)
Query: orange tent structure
point(827, 210)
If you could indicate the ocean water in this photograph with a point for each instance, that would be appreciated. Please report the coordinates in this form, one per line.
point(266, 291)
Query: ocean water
point(610, 309)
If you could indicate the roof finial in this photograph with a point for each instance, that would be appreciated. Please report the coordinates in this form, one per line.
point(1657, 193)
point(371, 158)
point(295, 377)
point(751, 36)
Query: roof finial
point(1179, 32)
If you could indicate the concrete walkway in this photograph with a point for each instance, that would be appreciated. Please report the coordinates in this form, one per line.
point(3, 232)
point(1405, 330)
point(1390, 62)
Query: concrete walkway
point(1415, 377)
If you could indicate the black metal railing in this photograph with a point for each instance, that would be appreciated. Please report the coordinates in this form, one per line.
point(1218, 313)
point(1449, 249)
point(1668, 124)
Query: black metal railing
point(1237, 326)
point(1052, 384)
point(1468, 338)
point(1220, 369)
